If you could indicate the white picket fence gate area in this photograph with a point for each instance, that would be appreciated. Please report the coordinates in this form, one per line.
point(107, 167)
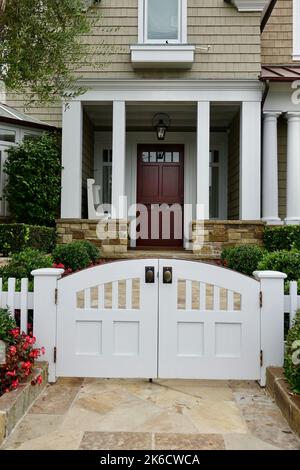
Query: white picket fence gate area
point(292, 301)
point(22, 301)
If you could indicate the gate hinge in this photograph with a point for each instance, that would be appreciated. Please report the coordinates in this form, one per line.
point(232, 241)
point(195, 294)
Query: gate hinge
point(261, 358)
point(54, 354)
point(55, 296)
point(260, 299)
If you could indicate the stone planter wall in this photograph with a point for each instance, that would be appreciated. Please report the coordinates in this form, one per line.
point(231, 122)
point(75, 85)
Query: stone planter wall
point(14, 405)
point(210, 239)
point(115, 233)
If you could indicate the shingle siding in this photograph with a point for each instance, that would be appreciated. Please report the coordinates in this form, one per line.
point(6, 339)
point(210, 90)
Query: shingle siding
point(277, 37)
point(234, 39)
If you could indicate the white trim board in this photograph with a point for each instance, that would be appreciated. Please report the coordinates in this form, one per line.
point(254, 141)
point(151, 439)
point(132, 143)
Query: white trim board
point(171, 90)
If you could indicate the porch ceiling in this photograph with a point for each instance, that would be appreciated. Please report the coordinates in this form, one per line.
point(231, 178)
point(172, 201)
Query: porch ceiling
point(139, 116)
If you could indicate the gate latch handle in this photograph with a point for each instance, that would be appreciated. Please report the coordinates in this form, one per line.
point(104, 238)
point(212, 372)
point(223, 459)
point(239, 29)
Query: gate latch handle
point(149, 275)
point(167, 275)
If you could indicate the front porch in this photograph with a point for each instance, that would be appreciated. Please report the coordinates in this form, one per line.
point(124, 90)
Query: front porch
point(208, 165)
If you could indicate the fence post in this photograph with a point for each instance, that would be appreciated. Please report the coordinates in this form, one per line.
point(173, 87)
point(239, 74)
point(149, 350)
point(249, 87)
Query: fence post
point(272, 320)
point(44, 320)
point(293, 300)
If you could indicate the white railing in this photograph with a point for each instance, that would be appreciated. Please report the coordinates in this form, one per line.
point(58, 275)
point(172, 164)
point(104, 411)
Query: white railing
point(20, 301)
point(292, 301)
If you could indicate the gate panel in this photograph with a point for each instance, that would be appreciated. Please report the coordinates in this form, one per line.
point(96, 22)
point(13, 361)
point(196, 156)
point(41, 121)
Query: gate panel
point(107, 322)
point(209, 322)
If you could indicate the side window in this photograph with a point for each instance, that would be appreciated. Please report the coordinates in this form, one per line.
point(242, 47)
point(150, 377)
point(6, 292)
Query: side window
point(106, 175)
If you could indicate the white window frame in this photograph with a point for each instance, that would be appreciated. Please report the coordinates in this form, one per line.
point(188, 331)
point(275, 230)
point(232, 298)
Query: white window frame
point(296, 29)
point(143, 22)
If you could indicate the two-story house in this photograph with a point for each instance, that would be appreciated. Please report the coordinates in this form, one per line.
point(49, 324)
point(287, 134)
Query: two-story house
point(174, 118)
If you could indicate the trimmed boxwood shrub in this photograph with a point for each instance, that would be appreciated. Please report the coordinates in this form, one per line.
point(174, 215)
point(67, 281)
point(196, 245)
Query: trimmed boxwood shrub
point(243, 259)
point(285, 261)
point(292, 355)
point(34, 180)
point(92, 250)
point(286, 237)
point(73, 256)
point(16, 237)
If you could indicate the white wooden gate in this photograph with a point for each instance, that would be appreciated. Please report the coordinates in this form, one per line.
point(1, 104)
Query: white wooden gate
point(107, 322)
point(192, 320)
point(209, 322)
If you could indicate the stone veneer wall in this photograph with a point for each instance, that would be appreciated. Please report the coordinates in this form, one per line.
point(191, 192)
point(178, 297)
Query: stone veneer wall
point(115, 233)
point(216, 235)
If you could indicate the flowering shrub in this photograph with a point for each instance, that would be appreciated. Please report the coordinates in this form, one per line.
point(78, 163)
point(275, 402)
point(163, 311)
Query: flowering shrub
point(20, 357)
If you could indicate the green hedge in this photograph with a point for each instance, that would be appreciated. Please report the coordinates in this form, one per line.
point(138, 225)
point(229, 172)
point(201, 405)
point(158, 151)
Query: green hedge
point(286, 237)
point(16, 237)
point(285, 261)
point(243, 259)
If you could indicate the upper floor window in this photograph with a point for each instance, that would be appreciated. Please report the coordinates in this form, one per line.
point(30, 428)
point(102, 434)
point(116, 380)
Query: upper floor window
point(162, 21)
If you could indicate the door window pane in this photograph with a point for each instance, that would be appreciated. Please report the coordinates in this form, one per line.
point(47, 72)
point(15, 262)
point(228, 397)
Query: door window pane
point(163, 19)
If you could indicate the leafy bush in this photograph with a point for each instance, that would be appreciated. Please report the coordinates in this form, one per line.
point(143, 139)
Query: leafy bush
point(16, 237)
point(243, 259)
point(292, 355)
point(92, 250)
point(287, 262)
point(34, 180)
point(23, 263)
point(7, 323)
point(286, 237)
point(73, 256)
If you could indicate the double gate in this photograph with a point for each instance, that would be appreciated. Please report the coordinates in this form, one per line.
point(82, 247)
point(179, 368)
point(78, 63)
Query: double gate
point(158, 318)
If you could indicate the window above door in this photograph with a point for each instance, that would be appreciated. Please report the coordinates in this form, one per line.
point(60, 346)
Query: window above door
point(162, 35)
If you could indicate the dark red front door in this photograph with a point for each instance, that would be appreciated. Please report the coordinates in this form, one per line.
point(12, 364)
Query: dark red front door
point(160, 191)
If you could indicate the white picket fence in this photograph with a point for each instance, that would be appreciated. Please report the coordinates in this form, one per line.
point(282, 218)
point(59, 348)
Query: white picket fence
point(22, 301)
point(292, 301)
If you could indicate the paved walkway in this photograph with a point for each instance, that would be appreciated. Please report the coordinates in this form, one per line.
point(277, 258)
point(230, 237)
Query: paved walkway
point(130, 414)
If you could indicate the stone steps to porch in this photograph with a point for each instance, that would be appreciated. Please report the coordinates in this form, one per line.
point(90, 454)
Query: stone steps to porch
point(165, 254)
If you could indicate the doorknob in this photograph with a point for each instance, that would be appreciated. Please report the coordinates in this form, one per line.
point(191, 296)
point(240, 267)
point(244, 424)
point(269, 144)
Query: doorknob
point(149, 275)
point(167, 275)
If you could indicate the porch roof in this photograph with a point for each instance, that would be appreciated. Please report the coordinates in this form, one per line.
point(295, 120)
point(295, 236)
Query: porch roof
point(10, 115)
point(280, 73)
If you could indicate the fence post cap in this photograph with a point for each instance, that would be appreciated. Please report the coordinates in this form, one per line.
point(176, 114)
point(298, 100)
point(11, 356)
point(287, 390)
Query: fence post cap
point(269, 275)
point(55, 272)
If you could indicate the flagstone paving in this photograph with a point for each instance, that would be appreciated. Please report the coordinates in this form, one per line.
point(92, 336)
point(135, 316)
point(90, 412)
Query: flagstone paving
point(113, 414)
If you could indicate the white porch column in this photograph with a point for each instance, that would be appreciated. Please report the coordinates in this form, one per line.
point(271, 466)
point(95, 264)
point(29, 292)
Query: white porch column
point(71, 195)
point(250, 161)
point(293, 169)
point(270, 169)
point(118, 159)
point(203, 142)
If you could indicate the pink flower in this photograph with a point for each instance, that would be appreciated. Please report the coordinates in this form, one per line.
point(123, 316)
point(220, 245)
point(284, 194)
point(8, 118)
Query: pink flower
point(39, 379)
point(13, 350)
point(43, 350)
point(15, 383)
point(11, 373)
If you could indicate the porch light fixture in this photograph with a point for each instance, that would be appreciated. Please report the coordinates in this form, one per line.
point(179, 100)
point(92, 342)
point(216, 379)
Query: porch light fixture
point(161, 122)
